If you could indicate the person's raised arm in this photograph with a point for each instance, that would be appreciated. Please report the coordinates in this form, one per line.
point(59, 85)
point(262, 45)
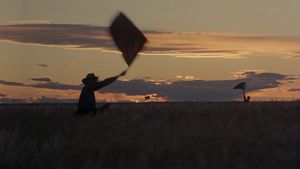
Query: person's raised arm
point(108, 81)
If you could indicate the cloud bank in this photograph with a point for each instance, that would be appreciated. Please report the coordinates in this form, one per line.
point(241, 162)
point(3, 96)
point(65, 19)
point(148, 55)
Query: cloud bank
point(178, 44)
point(41, 79)
point(180, 90)
point(2, 95)
point(42, 65)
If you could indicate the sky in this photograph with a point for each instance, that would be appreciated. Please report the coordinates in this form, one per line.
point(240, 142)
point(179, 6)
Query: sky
point(197, 50)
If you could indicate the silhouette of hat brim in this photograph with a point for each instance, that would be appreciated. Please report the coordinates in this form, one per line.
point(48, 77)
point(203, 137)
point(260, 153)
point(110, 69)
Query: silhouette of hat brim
point(89, 78)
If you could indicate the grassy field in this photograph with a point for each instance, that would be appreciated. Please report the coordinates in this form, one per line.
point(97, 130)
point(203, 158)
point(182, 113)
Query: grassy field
point(262, 135)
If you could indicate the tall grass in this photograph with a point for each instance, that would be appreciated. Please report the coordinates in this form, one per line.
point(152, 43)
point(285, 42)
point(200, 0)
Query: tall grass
point(152, 136)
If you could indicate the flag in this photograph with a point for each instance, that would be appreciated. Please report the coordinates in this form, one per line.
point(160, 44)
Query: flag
point(127, 37)
point(241, 86)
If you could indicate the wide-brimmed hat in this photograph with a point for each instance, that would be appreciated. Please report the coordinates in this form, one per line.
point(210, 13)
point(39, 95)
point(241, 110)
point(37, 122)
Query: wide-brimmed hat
point(89, 77)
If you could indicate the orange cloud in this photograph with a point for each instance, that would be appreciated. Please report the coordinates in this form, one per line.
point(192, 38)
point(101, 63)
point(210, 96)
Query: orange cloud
point(275, 94)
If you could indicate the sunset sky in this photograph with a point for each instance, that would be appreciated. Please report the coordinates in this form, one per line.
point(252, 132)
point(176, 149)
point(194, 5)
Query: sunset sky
point(198, 50)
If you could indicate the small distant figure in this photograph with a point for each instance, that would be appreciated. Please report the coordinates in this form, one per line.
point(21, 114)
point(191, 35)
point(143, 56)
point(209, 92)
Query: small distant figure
point(87, 100)
point(147, 97)
point(152, 96)
point(246, 100)
point(242, 86)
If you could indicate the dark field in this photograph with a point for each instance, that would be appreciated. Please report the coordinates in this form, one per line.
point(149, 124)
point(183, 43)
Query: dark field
point(229, 135)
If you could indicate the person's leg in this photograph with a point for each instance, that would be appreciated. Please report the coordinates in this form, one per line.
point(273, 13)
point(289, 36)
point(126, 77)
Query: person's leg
point(102, 108)
point(81, 112)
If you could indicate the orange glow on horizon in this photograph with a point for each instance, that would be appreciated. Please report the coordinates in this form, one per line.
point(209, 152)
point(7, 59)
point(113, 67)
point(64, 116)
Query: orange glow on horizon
point(30, 95)
point(275, 94)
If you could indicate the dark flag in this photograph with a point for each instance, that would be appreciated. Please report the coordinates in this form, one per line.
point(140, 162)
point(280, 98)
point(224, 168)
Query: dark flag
point(127, 37)
point(241, 86)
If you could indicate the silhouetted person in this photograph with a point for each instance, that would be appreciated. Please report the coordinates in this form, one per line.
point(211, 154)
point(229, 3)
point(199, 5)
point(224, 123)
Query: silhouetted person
point(246, 100)
point(242, 86)
point(87, 100)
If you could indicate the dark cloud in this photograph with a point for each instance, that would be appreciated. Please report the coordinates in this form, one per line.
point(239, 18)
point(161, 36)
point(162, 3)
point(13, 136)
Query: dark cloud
point(41, 79)
point(181, 44)
point(37, 100)
point(81, 36)
point(199, 90)
point(194, 90)
point(263, 75)
point(8, 83)
point(42, 65)
point(46, 85)
point(256, 81)
point(56, 85)
point(2, 95)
